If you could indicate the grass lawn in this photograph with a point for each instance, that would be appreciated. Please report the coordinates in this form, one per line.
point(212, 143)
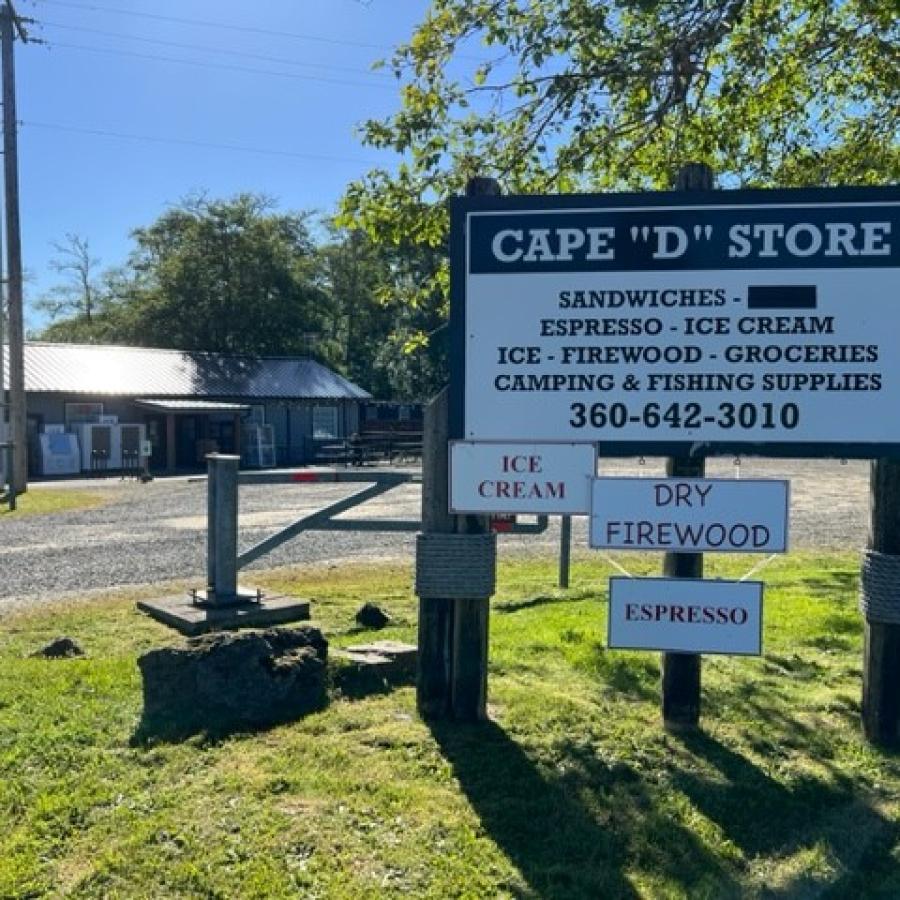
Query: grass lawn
point(39, 501)
point(572, 790)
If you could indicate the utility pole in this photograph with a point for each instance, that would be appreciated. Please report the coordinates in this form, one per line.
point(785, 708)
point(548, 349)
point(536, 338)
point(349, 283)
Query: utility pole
point(5, 474)
point(10, 26)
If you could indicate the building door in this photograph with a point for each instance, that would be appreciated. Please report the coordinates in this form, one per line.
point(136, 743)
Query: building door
point(186, 437)
point(223, 433)
point(33, 425)
point(156, 434)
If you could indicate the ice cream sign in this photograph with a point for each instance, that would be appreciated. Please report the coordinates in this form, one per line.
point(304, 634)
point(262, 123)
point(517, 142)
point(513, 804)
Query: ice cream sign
point(543, 479)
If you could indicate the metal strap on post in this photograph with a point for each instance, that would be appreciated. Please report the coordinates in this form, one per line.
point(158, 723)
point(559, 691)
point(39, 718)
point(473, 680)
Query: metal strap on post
point(456, 566)
point(879, 587)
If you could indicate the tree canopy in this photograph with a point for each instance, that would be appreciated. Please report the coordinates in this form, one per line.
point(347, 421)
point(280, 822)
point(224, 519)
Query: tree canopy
point(226, 275)
point(234, 275)
point(221, 275)
point(370, 285)
point(578, 95)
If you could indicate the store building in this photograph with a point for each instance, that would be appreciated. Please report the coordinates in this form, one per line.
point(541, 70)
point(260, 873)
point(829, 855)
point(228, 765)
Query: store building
point(189, 403)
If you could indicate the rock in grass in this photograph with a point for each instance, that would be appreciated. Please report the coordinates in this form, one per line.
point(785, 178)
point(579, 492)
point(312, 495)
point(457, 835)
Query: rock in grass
point(60, 648)
point(225, 682)
point(371, 616)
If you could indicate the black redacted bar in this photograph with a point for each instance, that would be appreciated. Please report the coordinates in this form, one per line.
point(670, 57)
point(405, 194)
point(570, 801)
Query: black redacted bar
point(781, 296)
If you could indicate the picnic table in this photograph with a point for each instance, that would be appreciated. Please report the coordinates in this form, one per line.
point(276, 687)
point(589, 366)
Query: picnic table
point(348, 452)
point(361, 449)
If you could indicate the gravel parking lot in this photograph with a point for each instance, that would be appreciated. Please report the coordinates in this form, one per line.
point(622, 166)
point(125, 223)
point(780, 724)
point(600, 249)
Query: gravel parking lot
point(155, 532)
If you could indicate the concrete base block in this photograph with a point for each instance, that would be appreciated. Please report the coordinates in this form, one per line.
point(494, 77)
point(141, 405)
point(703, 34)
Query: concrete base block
point(401, 657)
point(187, 617)
point(374, 667)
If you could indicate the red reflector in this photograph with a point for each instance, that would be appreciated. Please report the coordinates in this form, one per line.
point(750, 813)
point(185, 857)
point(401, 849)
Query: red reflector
point(305, 476)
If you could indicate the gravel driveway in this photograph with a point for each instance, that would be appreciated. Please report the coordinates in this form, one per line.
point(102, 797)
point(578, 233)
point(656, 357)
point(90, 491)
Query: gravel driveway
point(156, 532)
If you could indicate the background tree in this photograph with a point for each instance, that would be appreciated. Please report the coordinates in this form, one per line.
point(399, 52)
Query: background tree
point(353, 275)
point(413, 358)
point(378, 327)
point(220, 275)
point(576, 95)
point(226, 275)
point(76, 297)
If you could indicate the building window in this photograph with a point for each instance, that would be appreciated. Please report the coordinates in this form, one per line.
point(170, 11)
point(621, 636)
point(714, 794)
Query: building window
point(82, 413)
point(256, 415)
point(325, 422)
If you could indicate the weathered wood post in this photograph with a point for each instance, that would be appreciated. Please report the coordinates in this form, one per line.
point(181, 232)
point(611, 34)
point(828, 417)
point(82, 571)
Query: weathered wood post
point(880, 603)
point(455, 576)
point(681, 671)
point(455, 573)
point(435, 613)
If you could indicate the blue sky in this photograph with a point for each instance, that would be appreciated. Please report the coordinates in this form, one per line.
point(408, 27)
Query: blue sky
point(314, 87)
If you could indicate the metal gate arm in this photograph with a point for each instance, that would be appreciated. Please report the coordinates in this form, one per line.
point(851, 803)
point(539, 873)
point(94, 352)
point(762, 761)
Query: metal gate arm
point(310, 522)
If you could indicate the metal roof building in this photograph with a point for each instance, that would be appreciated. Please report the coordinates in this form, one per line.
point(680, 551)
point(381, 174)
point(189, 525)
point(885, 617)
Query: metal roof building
point(189, 402)
point(140, 371)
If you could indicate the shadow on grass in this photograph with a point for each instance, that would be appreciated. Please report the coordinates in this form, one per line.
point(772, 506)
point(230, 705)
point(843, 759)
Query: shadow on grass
point(206, 730)
point(830, 643)
point(757, 813)
point(848, 624)
point(569, 829)
point(633, 676)
point(512, 606)
point(844, 583)
point(770, 732)
point(795, 666)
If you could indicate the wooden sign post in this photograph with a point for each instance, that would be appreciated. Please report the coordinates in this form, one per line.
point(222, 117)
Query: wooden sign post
point(681, 671)
point(454, 589)
point(460, 552)
point(881, 607)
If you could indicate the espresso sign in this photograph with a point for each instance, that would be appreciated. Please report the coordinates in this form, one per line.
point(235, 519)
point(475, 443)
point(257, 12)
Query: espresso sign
point(679, 323)
point(689, 514)
point(680, 615)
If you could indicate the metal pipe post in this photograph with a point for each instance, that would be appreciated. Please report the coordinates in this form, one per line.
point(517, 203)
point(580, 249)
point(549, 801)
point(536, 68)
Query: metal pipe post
point(222, 510)
point(565, 550)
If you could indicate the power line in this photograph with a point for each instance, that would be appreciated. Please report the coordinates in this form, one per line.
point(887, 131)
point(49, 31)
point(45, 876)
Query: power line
point(226, 66)
point(236, 148)
point(244, 29)
point(207, 49)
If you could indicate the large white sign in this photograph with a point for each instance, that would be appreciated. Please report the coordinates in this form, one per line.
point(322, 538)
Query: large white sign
point(544, 479)
point(739, 318)
point(685, 616)
point(692, 514)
